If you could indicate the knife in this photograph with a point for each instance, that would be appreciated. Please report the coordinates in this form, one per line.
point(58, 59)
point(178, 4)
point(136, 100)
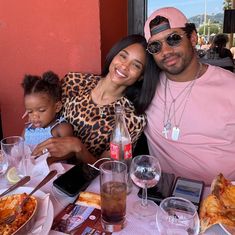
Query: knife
point(18, 184)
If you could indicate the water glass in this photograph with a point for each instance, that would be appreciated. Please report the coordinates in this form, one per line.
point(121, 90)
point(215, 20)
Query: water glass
point(113, 191)
point(3, 163)
point(177, 216)
point(13, 150)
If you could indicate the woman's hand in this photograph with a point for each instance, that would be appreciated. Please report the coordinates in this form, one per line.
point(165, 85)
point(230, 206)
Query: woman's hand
point(59, 147)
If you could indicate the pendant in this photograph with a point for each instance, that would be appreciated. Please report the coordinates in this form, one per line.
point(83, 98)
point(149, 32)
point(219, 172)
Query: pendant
point(167, 126)
point(165, 132)
point(175, 133)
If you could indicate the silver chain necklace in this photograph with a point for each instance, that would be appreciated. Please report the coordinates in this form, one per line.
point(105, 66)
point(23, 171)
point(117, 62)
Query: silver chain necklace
point(168, 116)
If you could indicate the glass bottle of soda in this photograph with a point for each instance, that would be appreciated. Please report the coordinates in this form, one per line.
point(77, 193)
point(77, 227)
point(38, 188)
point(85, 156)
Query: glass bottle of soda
point(120, 143)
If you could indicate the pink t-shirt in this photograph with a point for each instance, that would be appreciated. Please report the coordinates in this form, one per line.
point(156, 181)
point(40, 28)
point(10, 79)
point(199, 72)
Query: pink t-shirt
point(206, 143)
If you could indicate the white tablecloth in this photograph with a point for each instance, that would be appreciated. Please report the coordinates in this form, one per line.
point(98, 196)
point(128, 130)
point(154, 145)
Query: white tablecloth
point(134, 225)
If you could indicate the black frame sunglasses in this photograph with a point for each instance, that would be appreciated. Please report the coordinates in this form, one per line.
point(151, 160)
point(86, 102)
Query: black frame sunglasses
point(173, 40)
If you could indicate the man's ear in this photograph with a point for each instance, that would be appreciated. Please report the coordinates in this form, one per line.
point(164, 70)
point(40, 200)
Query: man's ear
point(58, 106)
point(194, 38)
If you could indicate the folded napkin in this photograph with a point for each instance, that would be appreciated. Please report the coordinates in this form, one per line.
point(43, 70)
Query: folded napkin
point(40, 218)
point(34, 167)
point(38, 167)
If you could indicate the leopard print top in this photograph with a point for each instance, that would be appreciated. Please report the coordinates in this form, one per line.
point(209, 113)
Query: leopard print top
point(93, 123)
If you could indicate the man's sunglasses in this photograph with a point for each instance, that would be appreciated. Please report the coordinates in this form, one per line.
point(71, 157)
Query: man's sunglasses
point(172, 40)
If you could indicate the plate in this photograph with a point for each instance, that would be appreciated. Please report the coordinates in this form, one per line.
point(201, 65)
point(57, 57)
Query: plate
point(219, 228)
point(216, 229)
point(225, 229)
point(47, 223)
point(21, 221)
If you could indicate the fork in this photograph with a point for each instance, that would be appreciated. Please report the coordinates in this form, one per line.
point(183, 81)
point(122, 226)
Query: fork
point(11, 218)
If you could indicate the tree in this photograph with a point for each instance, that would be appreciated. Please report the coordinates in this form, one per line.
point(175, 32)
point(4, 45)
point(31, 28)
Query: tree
point(214, 28)
point(227, 4)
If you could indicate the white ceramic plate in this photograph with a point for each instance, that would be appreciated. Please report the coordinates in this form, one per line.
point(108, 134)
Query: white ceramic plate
point(16, 199)
point(225, 229)
point(50, 215)
point(216, 229)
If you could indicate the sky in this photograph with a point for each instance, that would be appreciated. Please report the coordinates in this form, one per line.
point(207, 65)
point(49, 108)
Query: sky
point(188, 7)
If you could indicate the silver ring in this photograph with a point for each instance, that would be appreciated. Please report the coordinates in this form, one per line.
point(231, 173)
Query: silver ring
point(45, 151)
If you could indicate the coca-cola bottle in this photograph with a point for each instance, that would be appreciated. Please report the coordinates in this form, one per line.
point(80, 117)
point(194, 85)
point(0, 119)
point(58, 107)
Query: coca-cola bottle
point(120, 143)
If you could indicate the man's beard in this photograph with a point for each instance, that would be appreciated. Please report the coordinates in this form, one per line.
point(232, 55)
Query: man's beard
point(178, 68)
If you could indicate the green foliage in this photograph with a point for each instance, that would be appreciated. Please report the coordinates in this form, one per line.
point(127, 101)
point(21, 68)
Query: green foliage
point(227, 4)
point(214, 28)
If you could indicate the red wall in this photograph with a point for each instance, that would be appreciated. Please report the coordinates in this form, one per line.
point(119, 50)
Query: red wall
point(58, 35)
point(113, 22)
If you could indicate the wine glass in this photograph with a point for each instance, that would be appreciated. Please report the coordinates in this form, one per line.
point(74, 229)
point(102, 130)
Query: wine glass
point(145, 171)
point(177, 216)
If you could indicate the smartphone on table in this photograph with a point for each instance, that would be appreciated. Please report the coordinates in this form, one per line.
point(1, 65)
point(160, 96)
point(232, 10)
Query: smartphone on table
point(189, 189)
point(72, 181)
point(162, 190)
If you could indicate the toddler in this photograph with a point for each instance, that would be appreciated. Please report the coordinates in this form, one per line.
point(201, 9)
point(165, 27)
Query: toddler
point(42, 100)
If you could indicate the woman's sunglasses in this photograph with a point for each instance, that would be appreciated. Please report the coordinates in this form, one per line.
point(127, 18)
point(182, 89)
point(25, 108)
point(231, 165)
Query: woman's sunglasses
point(172, 40)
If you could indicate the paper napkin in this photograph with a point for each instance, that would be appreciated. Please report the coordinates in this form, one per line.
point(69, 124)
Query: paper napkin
point(41, 215)
point(38, 167)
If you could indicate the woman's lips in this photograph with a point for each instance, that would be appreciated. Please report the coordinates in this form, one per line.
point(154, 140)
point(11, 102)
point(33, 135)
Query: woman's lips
point(120, 73)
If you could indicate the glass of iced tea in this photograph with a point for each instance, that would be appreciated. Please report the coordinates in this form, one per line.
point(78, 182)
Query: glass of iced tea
point(113, 191)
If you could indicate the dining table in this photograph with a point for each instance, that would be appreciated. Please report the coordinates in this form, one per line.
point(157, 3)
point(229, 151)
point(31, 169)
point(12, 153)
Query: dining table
point(134, 225)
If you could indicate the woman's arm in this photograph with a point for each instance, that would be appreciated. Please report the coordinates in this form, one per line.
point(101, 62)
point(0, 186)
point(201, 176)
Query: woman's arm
point(59, 147)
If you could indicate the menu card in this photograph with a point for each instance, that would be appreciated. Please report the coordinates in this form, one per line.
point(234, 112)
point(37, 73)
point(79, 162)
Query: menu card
point(79, 220)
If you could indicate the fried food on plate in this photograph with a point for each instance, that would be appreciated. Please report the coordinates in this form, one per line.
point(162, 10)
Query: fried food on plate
point(219, 185)
point(219, 206)
point(9, 205)
point(228, 197)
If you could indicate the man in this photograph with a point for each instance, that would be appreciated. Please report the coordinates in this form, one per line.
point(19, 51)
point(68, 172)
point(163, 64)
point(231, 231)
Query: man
point(191, 119)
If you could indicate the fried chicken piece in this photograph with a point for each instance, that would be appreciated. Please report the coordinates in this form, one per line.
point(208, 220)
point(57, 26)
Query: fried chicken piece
point(219, 185)
point(219, 207)
point(227, 197)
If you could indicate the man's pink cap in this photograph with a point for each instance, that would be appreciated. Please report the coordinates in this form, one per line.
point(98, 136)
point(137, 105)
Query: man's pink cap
point(175, 17)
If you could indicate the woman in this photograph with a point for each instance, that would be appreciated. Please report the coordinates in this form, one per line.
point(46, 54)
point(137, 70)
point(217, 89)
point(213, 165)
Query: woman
point(89, 101)
point(218, 50)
